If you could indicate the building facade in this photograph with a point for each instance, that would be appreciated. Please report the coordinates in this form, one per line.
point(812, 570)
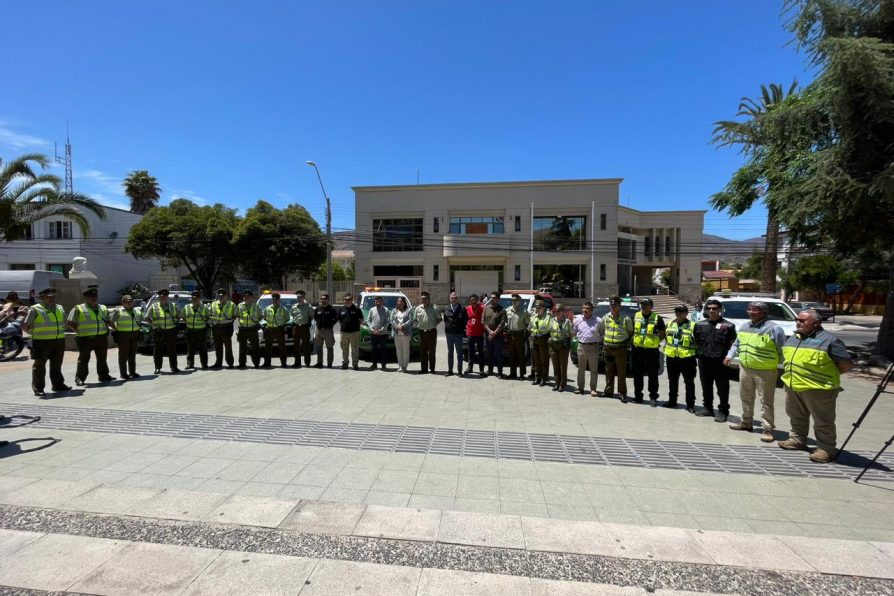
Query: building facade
point(568, 237)
point(52, 244)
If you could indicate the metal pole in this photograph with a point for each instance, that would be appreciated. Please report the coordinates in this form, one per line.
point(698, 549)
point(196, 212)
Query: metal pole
point(532, 248)
point(592, 250)
point(328, 231)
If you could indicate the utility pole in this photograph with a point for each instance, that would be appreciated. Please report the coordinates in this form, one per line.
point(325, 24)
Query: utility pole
point(328, 231)
point(65, 161)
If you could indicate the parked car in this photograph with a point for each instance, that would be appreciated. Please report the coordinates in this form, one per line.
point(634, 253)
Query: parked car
point(389, 298)
point(147, 339)
point(824, 311)
point(287, 300)
point(600, 309)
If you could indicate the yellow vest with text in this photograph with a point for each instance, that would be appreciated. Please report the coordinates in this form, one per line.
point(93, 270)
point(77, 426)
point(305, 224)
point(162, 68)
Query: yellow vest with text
point(90, 323)
point(559, 331)
point(757, 351)
point(248, 315)
point(615, 331)
point(222, 315)
point(276, 316)
point(644, 335)
point(127, 322)
point(195, 317)
point(163, 317)
point(48, 324)
point(540, 325)
point(680, 343)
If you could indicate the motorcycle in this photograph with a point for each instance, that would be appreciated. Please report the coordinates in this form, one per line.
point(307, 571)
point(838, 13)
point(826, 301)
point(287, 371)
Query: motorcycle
point(12, 341)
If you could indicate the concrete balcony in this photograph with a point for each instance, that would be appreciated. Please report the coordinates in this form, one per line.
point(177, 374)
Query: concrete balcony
point(481, 245)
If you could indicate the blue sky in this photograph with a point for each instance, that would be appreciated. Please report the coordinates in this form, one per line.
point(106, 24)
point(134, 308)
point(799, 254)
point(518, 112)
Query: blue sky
point(223, 101)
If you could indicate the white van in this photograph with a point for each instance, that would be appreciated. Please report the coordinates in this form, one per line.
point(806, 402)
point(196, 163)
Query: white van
point(26, 284)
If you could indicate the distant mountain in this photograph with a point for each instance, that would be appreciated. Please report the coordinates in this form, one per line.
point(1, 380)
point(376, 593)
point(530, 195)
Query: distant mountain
point(718, 248)
point(344, 240)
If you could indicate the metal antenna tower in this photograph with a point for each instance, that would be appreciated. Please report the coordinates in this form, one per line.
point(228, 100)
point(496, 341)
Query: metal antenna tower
point(65, 161)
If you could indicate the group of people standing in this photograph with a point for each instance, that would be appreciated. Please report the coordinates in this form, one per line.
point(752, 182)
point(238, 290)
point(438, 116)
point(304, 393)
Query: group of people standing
point(811, 360)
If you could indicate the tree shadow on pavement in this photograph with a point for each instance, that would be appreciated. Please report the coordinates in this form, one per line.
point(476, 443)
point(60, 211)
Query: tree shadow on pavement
point(12, 448)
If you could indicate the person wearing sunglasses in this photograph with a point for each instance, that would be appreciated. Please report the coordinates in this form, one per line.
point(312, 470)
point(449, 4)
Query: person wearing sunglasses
point(714, 337)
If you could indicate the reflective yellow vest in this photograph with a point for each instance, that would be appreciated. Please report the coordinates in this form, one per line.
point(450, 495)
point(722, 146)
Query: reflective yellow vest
point(222, 315)
point(276, 316)
point(91, 324)
point(680, 343)
point(48, 324)
point(195, 317)
point(757, 351)
point(249, 315)
point(808, 365)
point(615, 331)
point(163, 317)
point(540, 325)
point(644, 335)
point(559, 331)
point(127, 322)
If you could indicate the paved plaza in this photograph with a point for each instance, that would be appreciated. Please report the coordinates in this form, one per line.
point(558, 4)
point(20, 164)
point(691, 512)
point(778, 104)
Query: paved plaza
point(332, 482)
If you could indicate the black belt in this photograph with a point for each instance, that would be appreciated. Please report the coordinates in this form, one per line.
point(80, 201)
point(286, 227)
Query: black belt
point(588, 343)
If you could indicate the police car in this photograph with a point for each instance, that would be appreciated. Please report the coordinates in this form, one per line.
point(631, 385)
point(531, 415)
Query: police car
point(735, 307)
point(146, 342)
point(287, 300)
point(600, 309)
point(389, 298)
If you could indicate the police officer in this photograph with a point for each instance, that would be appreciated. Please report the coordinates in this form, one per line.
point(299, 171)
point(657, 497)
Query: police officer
point(714, 337)
point(679, 354)
point(90, 321)
point(517, 321)
point(539, 331)
point(163, 316)
point(350, 317)
point(277, 317)
point(455, 320)
point(648, 331)
point(426, 317)
point(325, 316)
point(46, 324)
point(196, 315)
point(494, 330)
point(302, 314)
point(222, 314)
point(248, 313)
point(616, 330)
point(814, 361)
point(560, 334)
point(125, 322)
point(758, 346)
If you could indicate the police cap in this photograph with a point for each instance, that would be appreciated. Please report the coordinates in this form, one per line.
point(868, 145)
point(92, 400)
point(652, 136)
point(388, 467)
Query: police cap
point(614, 300)
point(221, 292)
point(164, 292)
point(196, 294)
point(47, 292)
point(646, 302)
point(681, 308)
point(275, 295)
point(91, 292)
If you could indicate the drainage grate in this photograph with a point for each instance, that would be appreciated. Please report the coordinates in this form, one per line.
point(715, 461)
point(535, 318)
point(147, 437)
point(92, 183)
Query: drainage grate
point(637, 453)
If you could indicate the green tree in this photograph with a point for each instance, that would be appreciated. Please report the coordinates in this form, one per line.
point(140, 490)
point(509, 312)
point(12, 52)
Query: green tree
point(764, 172)
point(142, 190)
point(753, 267)
point(27, 197)
point(339, 273)
point(843, 192)
point(183, 233)
point(273, 244)
point(814, 272)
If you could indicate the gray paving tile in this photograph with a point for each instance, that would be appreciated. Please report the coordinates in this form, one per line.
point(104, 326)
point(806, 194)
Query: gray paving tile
point(387, 499)
point(844, 557)
point(179, 504)
point(46, 493)
point(557, 535)
point(439, 485)
point(322, 517)
point(349, 577)
point(399, 523)
point(254, 574)
point(13, 540)
point(477, 529)
point(443, 582)
point(110, 499)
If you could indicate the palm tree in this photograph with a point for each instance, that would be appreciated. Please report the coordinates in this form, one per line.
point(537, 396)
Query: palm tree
point(27, 197)
point(143, 191)
point(761, 174)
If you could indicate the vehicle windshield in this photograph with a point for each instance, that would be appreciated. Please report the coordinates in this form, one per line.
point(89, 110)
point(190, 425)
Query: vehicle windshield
point(736, 309)
point(180, 300)
point(369, 301)
point(812, 305)
point(267, 300)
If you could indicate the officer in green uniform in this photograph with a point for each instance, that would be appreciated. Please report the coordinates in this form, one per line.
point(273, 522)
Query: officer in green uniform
point(277, 317)
point(223, 313)
point(248, 313)
point(90, 321)
point(302, 316)
point(46, 324)
point(679, 354)
point(163, 316)
point(560, 334)
point(517, 321)
point(811, 373)
point(196, 315)
point(125, 324)
point(616, 330)
point(539, 330)
point(648, 331)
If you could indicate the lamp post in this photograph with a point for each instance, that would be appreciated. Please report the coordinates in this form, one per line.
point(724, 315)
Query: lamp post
point(328, 230)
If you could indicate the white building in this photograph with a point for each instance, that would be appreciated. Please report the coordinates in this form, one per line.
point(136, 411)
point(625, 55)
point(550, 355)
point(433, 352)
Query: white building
point(569, 236)
point(52, 244)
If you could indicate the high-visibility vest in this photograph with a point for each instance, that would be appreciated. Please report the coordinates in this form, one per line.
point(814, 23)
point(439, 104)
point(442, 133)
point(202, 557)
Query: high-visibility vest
point(127, 321)
point(222, 314)
point(559, 331)
point(48, 324)
point(808, 365)
point(248, 315)
point(680, 343)
point(757, 351)
point(196, 318)
point(644, 335)
point(90, 323)
point(539, 325)
point(615, 331)
point(276, 316)
point(163, 317)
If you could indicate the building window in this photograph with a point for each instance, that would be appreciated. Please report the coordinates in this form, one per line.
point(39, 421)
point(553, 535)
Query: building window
point(603, 221)
point(22, 267)
point(518, 273)
point(602, 272)
point(397, 270)
point(62, 268)
point(59, 230)
point(560, 233)
point(476, 225)
point(29, 233)
point(435, 272)
point(436, 225)
point(667, 246)
point(518, 223)
point(396, 235)
point(561, 280)
point(647, 246)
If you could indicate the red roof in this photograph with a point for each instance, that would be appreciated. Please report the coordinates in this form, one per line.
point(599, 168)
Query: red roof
point(718, 275)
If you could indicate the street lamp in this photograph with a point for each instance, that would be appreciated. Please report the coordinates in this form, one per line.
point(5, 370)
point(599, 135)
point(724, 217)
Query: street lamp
point(328, 230)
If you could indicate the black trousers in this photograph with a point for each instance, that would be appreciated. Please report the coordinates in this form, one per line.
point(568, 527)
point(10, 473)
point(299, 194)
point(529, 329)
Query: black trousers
point(711, 371)
point(95, 344)
point(302, 343)
point(197, 343)
point(686, 368)
point(127, 352)
point(494, 349)
point(428, 342)
point(165, 344)
point(277, 335)
point(379, 351)
point(476, 352)
point(43, 351)
point(540, 357)
point(249, 342)
point(223, 344)
point(645, 362)
point(517, 357)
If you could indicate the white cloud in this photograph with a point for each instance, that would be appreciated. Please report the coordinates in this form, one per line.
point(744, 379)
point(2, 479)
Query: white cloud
point(11, 138)
point(184, 193)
